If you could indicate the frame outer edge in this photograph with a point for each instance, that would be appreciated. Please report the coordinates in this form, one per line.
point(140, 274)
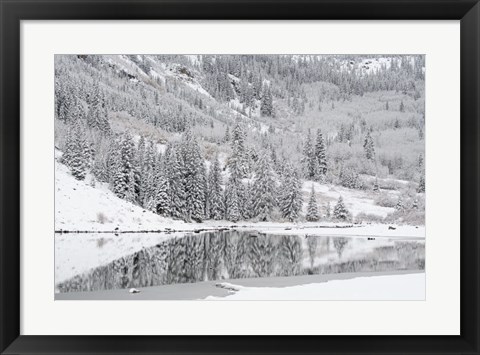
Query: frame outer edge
point(10, 175)
point(10, 15)
point(470, 177)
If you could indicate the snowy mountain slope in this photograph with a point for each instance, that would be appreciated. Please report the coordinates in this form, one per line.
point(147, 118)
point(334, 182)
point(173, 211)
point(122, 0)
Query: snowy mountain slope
point(81, 207)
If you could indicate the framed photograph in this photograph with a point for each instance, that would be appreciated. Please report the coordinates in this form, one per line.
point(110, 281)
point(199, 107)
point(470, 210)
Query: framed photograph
point(239, 177)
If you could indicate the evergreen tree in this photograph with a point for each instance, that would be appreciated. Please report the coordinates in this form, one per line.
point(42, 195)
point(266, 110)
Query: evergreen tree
point(147, 188)
point(309, 161)
point(246, 205)
point(400, 206)
point(232, 200)
point(97, 116)
point(312, 208)
point(369, 146)
point(291, 199)
point(349, 178)
point(264, 189)
point(162, 198)
point(340, 212)
point(320, 155)
point(140, 170)
point(421, 185)
point(238, 161)
point(175, 177)
point(194, 178)
point(130, 194)
point(226, 137)
point(124, 180)
point(70, 146)
point(113, 164)
point(215, 195)
point(266, 106)
point(77, 153)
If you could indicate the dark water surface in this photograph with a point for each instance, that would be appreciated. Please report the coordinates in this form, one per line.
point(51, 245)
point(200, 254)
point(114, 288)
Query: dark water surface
point(241, 254)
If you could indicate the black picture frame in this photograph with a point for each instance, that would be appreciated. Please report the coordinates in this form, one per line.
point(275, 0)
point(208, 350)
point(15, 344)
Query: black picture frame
point(14, 11)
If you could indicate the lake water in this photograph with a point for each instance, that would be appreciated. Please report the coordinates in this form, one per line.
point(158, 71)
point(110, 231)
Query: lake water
point(234, 254)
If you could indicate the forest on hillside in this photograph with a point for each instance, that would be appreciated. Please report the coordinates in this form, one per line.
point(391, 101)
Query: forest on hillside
point(237, 137)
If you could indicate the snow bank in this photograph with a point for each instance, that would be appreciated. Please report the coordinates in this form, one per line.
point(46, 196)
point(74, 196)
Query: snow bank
point(81, 207)
point(375, 288)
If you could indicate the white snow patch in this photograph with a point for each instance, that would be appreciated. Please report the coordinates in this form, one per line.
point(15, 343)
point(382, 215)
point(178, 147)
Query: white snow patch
point(378, 288)
point(356, 201)
point(81, 207)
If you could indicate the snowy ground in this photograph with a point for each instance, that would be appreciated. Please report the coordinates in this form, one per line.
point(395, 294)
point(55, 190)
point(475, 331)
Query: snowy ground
point(379, 288)
point(356, 201)
point(81, 207)
point(399, 285)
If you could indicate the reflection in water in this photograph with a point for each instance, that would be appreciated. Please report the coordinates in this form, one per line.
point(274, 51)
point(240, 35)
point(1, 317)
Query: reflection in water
point(239, 254)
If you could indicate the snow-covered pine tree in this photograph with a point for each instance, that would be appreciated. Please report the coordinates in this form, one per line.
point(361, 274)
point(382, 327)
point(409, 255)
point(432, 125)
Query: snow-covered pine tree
point(176, 182)
point(291, 200)
point(340, 212)
point(264, 189)
point(77, 151)
point(194, 178)
point(369, 146)
point(237, 161)
point(308, 160)
point(215, 195)
point(162, 198)
point(232, 200)
point(312, 207)
point(246, 201)
point(77, 112)
point(421, 185)
point(148, 177)
point(226, 137)
point(69, 147)
point(266, 105)
point(130, 194)
point(140, 169)
point(400, 206)
point(65, 103)
point(124, 179)
point(97, 116)
point(349, 178)
point(320, 155)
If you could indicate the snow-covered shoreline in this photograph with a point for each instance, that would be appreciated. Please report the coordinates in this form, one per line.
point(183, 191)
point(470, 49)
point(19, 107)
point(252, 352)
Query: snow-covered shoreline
point(82, 208)
point(404, 285)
